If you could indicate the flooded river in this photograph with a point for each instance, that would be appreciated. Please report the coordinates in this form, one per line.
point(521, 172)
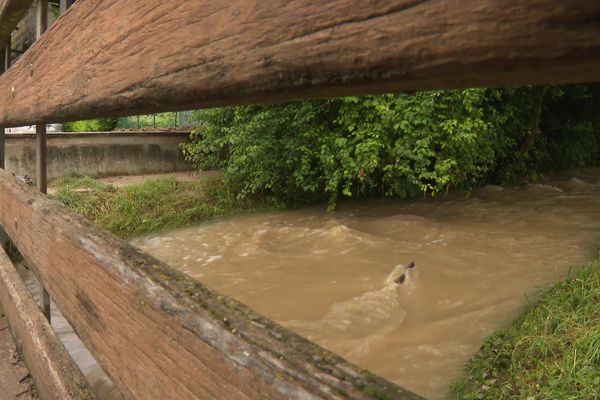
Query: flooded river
point(325, 275)
point(330, 276)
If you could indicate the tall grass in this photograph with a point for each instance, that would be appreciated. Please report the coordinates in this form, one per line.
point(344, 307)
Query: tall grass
point(551, 352)
point(151, 206)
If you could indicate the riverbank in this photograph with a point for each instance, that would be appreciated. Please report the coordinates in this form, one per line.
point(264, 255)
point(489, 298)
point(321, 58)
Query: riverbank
point(153, 205)
point(552, 351)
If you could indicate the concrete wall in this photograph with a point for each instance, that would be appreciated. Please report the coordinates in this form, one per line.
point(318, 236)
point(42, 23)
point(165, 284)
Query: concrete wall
point(99, 154)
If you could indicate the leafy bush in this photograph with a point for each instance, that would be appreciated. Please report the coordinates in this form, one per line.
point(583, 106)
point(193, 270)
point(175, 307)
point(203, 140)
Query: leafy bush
point(568, 137)
point(392, 145)
point(395, 145)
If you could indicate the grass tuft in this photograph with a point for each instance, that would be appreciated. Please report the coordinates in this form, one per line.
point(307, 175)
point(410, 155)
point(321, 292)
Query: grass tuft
point(151, 206)
point(76, 182)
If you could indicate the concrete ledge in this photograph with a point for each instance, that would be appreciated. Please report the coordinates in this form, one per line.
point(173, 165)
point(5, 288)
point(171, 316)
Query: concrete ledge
point(100, 153)
point(184, 135)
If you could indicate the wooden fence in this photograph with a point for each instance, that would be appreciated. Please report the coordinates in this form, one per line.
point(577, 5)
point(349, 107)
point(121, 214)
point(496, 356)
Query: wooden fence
point(156, 332)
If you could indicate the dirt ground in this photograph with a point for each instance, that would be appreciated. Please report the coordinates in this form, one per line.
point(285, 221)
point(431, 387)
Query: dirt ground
point(15, 381)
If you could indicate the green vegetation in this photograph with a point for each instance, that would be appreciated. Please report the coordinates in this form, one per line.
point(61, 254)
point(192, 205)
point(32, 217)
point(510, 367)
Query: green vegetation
point(551, 352)
point(397, 145)
point(91, 125)
point(151, 206)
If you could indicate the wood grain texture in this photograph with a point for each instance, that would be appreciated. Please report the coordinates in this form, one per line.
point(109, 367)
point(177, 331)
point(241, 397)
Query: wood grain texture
point(55, 374)
point(11, 12)
point(160, 334)
point(126, 57)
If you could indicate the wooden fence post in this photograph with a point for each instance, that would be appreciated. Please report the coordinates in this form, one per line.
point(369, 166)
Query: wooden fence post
point(2, 146)
point(41, 156)
point(2, 55)
point(3, 236)
point(40, 136)
point(7, 56)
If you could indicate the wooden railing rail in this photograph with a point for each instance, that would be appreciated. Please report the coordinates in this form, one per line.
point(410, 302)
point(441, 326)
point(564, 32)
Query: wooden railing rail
point(160, 334)
point(55, 374)
point(122, 57)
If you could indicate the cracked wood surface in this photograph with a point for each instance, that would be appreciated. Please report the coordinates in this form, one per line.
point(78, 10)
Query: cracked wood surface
point(161, 334)
point(133, 57)
point(54, 372)
point(11, 12)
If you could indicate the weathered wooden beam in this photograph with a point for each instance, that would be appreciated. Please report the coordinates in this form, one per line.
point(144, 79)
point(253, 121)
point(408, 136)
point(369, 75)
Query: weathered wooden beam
point(11, 12)
point(41, 148)
point(55, 374)
point(160, 334)
point(132, 57)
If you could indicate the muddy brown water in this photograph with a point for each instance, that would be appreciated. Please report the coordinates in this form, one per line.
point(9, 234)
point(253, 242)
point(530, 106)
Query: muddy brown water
point(329, 276)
